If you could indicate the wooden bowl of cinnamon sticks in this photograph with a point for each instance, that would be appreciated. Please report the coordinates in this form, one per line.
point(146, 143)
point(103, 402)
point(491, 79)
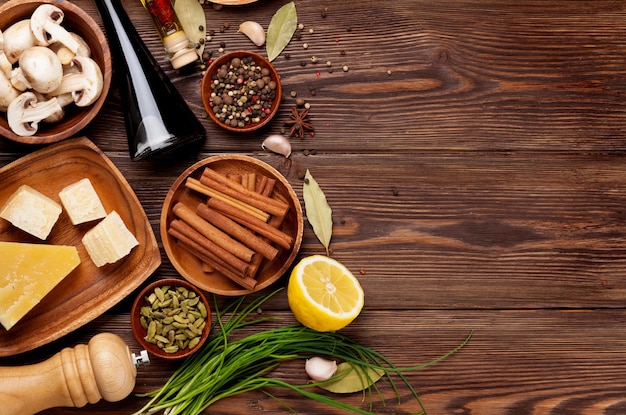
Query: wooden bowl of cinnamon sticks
point(231, 224)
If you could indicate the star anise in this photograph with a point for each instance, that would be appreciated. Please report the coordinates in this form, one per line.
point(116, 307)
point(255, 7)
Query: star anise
point(298, 123)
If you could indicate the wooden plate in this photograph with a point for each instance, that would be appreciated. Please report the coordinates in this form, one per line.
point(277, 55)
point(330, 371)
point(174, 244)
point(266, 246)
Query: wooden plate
point(88, 291)
point(189, 266)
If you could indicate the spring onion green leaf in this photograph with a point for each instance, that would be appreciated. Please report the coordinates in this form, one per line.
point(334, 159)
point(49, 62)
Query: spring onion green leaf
point(226, 367)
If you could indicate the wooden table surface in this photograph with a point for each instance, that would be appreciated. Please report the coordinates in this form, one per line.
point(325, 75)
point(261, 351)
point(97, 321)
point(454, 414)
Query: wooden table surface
point(473, 156)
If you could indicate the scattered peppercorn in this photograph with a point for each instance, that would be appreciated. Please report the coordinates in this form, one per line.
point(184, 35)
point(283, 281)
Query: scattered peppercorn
point(300, 102)
point(314, 59)
point(303, 63)
point(342, 52)
point(323, 14)
point(305, 46)
point(293, 94)
point(345, 68)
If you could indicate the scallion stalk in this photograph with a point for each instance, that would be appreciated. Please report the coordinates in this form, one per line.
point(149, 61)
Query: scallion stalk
point(225, 367)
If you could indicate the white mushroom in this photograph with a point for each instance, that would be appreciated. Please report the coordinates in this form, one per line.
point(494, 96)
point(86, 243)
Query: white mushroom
point(66, 55)
point(63, 101)
point(85, 84)
point(17, 38)
point(7, 92)
point(5, 65)
point(39, 68)
point(25, 113)
point(45, 24)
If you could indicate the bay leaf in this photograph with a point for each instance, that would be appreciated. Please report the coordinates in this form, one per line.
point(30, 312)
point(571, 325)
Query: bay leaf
point(191, 15)
point(352, 378)
point(318, 212)
point(280, 30)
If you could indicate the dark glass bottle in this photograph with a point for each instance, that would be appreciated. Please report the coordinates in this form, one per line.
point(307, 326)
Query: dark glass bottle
point(156, 115)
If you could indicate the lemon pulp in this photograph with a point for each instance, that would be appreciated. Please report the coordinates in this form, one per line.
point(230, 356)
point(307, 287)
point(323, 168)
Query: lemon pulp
point(323, 294)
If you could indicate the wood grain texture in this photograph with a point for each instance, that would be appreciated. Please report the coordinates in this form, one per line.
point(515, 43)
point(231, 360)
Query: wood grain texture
point(473, 156)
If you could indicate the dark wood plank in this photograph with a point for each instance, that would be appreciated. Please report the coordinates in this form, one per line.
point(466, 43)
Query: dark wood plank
point(473, 156)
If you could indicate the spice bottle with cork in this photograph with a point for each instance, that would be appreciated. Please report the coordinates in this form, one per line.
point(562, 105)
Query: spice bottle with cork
point(180, 50)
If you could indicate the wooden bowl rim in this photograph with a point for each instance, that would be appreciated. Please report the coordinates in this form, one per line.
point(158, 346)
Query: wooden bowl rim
point(84, 115)
point(206, 90)
point(179, 183)
point(139, 331)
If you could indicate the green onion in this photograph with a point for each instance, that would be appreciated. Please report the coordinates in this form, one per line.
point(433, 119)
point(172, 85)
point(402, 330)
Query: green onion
point(225, 367)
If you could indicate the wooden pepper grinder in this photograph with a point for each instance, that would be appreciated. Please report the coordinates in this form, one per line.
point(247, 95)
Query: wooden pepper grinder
point(104, 368)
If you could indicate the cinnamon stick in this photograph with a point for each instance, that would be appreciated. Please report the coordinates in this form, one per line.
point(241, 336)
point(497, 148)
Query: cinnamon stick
point(265, 187)
point(212, 260)
point(215, 180)
point(237, 231)
point(192, 237)
point(254, 224)
point(211, 232)
point(196, 185)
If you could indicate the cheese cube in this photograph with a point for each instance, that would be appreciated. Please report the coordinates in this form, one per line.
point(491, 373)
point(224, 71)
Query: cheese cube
point(28, 272)
point(109, 241)
point(31, 211)
point(81, 202)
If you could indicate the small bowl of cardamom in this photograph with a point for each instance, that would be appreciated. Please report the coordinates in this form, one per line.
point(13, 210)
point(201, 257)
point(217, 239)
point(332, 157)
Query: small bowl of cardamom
point(171, 318)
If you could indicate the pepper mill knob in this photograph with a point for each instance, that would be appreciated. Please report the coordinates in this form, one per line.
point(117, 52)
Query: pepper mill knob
point(102, 369)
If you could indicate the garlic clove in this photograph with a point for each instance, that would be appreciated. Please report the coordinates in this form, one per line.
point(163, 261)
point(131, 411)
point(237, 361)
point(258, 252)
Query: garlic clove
point(320, 369)
point(254, 31)
point(278, 144)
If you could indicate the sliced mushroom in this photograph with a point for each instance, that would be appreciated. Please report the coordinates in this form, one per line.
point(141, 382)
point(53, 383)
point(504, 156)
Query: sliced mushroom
point(45, 24)
point(18, 38)
point(39, 68)
point(85, 84)
point(7, 92)
point(63, 100)
point(66, 55)
point(25, 113)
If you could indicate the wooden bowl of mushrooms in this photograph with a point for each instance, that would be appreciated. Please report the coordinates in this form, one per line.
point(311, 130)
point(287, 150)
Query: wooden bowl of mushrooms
point(55, 70)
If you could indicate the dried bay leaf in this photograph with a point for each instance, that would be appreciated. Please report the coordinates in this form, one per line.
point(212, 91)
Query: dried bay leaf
point(318, 212)
point(191, 15)
point(280, 30)
point(352, 378)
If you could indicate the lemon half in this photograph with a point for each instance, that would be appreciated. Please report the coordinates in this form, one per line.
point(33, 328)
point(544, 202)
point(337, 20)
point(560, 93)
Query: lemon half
point(323, 294)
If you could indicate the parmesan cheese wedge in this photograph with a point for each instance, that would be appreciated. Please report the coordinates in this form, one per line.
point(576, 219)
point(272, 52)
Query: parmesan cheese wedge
point(31, 211)
point(81, 202)
point(28, 272)
point(109, 241)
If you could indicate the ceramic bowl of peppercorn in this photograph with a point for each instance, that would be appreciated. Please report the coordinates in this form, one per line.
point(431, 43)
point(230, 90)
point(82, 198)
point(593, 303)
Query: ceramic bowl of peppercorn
point(171, 318)
point(241, 91)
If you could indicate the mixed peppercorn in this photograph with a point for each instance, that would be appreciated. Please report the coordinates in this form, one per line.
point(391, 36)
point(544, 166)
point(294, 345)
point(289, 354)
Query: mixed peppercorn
point(243, 92)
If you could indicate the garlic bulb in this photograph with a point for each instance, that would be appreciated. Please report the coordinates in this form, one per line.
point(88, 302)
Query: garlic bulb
point(320, 369)
point(254, 31)
point(278, 144)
